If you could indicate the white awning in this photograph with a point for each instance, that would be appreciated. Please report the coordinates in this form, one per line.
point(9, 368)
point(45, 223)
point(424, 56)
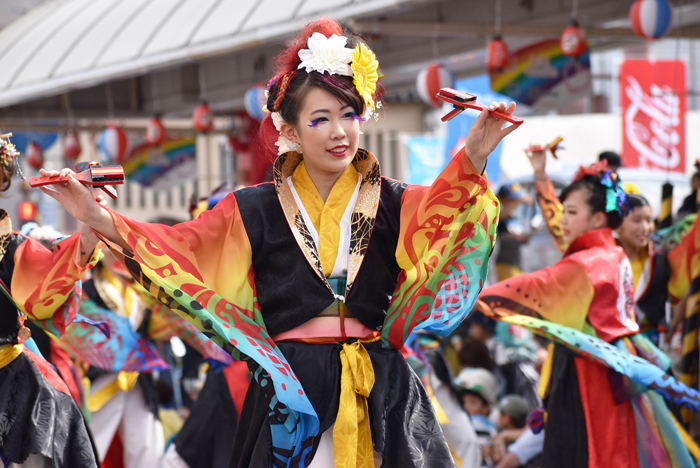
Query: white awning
point(69, 44)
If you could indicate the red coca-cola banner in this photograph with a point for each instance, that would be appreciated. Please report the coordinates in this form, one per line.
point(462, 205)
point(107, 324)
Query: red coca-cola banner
point(653, 114)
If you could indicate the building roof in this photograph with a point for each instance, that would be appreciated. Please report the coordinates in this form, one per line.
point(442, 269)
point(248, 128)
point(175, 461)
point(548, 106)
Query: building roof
point(69, 44)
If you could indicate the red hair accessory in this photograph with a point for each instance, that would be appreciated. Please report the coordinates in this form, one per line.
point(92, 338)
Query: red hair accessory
point(594, 169)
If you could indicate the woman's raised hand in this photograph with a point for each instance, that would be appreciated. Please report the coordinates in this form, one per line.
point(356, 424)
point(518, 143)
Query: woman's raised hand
point(75, 197)
point(486, 133)
point(538, 159)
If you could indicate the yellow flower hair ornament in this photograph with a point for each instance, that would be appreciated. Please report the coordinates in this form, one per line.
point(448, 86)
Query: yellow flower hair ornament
point(365, 74)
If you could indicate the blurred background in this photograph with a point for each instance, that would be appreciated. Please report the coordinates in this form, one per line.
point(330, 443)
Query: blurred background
point(173, 89)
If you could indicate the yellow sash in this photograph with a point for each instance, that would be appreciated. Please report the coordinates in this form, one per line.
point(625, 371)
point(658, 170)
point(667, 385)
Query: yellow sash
point(9, 354)
point(352, 437)
point(125, 382)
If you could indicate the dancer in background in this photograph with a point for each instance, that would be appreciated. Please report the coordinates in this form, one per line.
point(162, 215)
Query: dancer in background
point(651, 272)
point(327, 269)
point(594, 418)
point(42, 426)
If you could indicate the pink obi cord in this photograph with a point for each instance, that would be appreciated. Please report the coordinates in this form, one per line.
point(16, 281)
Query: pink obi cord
point(327, 328)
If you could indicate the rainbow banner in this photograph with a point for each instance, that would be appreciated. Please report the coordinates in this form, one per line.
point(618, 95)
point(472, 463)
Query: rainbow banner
point(161, 167)
point(542, 77)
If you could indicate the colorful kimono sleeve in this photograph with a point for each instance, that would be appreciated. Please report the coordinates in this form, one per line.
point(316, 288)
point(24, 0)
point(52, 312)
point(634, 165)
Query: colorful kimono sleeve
point(202, 270)
point(122, 350)
point(684, 261)
point(561, 294)
point(680, 257)
point(47, 286)
point(446, 237)
point(551, 211)
point(165, 324)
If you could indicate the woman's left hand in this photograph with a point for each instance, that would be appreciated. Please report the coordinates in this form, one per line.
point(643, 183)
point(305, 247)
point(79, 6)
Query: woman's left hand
point(486, 133)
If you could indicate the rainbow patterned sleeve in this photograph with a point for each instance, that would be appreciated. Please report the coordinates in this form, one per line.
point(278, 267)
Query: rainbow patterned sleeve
point(202, 270)
point(684, 256)
point(561, 294)
point(165, 324)
point(447, 235)
point(551, 211)
point(48, 289)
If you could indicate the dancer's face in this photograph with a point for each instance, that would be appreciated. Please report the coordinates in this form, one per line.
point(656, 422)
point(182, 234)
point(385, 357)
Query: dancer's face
point(328, 131)
point(636, 228)
point(578, 217)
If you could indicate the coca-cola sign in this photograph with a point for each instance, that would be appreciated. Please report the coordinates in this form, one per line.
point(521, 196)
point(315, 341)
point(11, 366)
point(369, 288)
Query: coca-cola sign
point(653, 114)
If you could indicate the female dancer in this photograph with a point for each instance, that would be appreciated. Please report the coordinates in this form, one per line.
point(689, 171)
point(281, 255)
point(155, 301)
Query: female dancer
point(41, 424)
point(318, 277)
point(651, 271)
point(595, 418)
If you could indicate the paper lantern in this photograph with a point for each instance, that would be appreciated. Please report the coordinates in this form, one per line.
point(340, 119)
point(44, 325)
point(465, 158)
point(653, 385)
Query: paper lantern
point(155, 132)
point(26, 211)
point(202, 118)
point(497, 54)
point(71, 145)
point(573, 41)
point(35, 155)
point(650, 18)
point(430, 80)
point(254, 100)
point(114, 143)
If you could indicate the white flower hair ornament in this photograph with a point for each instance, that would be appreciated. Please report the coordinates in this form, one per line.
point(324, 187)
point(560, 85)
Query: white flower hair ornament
point(283, 145)
point(326, 54)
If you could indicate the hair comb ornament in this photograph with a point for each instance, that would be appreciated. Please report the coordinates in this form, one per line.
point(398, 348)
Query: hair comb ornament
point(615, 196)
point(553, 147)
point(91, 174)
point(8, 154)
point(463, 101)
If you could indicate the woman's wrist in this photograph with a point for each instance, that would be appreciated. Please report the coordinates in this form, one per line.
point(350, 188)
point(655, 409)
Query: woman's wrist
point(540, 176)
point(478, 162)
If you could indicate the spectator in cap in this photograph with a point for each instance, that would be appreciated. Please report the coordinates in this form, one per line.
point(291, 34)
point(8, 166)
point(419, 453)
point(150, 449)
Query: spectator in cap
point(511, 233)
point(479, 391)
point(513, 412)
point(512, 420)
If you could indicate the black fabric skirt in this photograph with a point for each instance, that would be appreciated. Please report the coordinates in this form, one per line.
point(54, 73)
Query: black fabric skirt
point(405, 429)
point(565, 437)
point(205, 439)
point(35, 418)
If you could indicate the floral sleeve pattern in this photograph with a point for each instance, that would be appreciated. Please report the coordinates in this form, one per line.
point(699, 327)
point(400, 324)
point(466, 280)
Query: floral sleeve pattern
point(447, 235)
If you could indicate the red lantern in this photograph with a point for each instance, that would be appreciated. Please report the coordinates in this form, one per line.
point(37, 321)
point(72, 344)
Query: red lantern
point(573, 41)
point(26, 211)
point(71, 145)
point(35, 155)
point(155, 132)
point(430, 80)
point(497, 54)
point(203, 119)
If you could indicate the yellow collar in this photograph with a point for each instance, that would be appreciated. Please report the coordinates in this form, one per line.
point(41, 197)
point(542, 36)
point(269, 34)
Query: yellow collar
point(326, 216)
point(365, 209)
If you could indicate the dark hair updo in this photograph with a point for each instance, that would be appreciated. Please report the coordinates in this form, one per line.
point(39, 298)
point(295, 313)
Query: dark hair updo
point(290, 85)
point(597, 194)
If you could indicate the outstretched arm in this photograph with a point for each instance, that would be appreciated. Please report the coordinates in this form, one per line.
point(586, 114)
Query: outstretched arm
point(546, 196)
